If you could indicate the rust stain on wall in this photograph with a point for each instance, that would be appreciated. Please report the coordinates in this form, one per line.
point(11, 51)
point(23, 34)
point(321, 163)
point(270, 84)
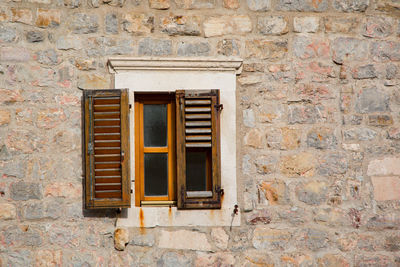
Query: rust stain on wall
point(141, 220)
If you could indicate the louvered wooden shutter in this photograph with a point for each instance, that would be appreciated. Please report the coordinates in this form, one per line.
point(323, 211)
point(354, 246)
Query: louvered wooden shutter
point(106, 122)
point(197, 126)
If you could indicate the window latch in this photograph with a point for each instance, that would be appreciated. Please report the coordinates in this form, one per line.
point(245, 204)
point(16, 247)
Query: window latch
point(122, 156)
point(219, 107)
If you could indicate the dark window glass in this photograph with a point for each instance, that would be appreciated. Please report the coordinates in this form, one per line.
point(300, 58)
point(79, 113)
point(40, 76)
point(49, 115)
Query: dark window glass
point(196, 171)
point(155, 174)
point(155, 125)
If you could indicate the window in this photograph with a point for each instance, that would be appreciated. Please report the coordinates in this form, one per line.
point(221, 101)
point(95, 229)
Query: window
point(177, 154)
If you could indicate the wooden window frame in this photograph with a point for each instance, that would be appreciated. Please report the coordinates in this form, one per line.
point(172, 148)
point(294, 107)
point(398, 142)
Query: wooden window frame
point(140, 150)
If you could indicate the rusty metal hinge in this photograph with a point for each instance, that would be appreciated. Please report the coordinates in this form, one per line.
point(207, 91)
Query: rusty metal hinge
point(219, 107)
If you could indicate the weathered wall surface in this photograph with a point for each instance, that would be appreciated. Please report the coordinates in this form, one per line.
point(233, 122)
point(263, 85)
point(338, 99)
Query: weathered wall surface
point(318, 134)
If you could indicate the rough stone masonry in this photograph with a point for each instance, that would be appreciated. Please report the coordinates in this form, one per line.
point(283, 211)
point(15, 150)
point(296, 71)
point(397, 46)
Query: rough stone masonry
point(318, 129)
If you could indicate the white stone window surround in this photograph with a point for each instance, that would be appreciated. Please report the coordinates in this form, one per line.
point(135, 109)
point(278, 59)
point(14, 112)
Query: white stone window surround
point(169, 75)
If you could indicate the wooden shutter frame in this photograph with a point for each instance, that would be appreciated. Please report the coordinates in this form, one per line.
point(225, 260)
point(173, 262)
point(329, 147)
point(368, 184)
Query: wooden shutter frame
point(90, 201)
point(198, 203)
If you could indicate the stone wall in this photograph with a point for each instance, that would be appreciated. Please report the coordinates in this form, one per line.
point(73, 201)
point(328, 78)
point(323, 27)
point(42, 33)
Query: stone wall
point(318, 129)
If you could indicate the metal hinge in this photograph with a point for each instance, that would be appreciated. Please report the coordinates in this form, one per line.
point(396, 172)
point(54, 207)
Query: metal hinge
point(90, 148)
point(219, 107)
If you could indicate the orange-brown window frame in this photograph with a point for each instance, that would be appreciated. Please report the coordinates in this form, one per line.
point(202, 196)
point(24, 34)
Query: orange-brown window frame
point(140, 150)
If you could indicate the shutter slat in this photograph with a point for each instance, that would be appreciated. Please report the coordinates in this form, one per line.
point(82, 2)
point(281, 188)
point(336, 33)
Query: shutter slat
point(116, 194)
point(107, 101)
point(197, 123)
point(108, 180)
point(106, 143)
point(107, 151)
point(105, 136)
point(102, 165)
point(98, 108)
point(108, 122)
point(198, 109)
point(197, 116)
point(102, 129)
point(106, 115)
point(198, 137)
point(108, 187)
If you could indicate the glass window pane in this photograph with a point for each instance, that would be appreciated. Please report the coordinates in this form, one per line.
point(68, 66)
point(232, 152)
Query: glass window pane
point(196, 171)
point(155, 174)
point(155, 125)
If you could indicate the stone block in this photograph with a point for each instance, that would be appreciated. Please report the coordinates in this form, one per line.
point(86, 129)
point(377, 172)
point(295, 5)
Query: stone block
point(111, 23)
point(228, 47)
point(375, 260)
point(383, 51)
point(121, 238)
point(34, 36)
point(331, 260)
point(195, 4)
point(5, 116)
point(359, 133)
point(220, 238)
point(7, 34)
point(257, 258)
point(93, 81)
point(181, 25)
point(315, 239)
point(273, 25)
point(394, 133)
point(391, 71)
point(349, 49)
point(48, 57)
point(249, 119)
point(392, 243)
point(306, 24)
point(275, 192)
point(184, 239)
point(222, 25)
point(384, 167)
point(40, 1)
point(66, 190)
point(384, 222)
point(254, 138)
point(312, 193)
point(302, 5)
point(308, 114)
point(21, 15)
point(351, 5)
point(364, 72)
point(138, 23)
point(15, 54)
point(266, 49)
point(50, 118)
point(3, 14)
point(41, 210)
point(83, 23)
point(214, 259)
point(7, 211)
point(175, 259)
point(388, 5)
point(265, 164)
point(313, 92)
point(305, 47)
point(271, 239)
point(334, 164)
point(159, 4)
point(371, 100)
point(19, 258)
point(25, 191)
point(259, 5)
point(322, 138)
point(25, 141)
point(259, 217)
point(48, 18)
point(155, 47)
point(143, 240)
point(47, 258)
point(68, 42)
point(386, 188)
point(378, 27)
point(380, 120)
point(290, 138)
point(298, 165)
point(77, 3)
point(231, 4)
point(341, 25)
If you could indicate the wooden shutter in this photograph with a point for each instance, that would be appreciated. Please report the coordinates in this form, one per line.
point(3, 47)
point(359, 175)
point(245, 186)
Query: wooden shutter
point(106, 122)
point(197, 126)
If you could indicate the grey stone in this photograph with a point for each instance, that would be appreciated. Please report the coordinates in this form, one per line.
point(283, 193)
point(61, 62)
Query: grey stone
point(111, 24)
point(83, 23)
point(306, 114)
point(15, 168)
point(122, 47)
point(155, 47)
point(378, 27)
point(19, 258)
point(4, 154)
point(248, 118)
point(14, 235)
point(48, 57)
point(68, 42)
point(94, 3)
point(17, 54)
point(316, 239)
point(391, 71)
point(372, 100)
point(173, 259)
point(313, 193)
point(272, 25)
point(321, 138)
point(193, 49)
point(360, 134)
point(365, 72)
point(147, 240)
point(34, 37)
point(333, 164)
point(181, 25)
point(351, 5)
point(349, 49)
point(41, 210)
point(259, 5)
point(352, 119)
point(385, 51)
point(302, 5)
point(62, 236)
point(7, 34)
point(74, 211)
point(384, 222)
point(306, 47)
point(72, 3)
point(266, 164)
point(228, 47)
point(25, 191)
point(246, 165)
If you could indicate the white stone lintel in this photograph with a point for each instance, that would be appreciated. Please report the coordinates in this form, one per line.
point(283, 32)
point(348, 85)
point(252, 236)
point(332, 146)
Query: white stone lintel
point(121, 64)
